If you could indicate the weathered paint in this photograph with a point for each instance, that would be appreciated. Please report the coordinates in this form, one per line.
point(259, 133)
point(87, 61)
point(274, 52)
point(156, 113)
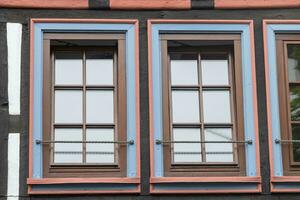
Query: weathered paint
point(14, 41)
point(13, 166)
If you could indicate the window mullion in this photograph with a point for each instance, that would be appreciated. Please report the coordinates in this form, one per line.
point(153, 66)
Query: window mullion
point(84, 107)
point(201, 110)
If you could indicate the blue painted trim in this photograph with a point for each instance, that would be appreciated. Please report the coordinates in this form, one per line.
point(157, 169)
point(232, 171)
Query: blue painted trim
point(274, 102)
point(205, 186)
point(39, 29)
point(244, 30)
point(84, 187)
point(272, 29)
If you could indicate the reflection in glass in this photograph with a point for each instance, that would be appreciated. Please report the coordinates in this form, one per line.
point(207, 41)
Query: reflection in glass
point(185, 105)
point(184, 72)
point(293, 62)
point(100, 153)
point(296, 146)
point(68, 68)
point(100, 106)
point(214, 70)
point(61, 150)
point(186, 152)
point(221, 152)
point(68, 106)
point(295, 103)
point(99, 68)
point(216, 107)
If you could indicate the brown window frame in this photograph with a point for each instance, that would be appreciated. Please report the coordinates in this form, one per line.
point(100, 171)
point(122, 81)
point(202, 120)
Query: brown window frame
point(290, 168)
point(85, 170)
point(234, 52)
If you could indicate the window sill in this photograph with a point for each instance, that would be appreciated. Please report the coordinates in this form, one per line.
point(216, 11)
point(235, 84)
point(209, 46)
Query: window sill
point(281, 184)
point(183, 185)
point(83, 185)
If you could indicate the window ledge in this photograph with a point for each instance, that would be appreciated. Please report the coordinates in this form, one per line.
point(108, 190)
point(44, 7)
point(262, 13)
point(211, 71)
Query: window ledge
point(254, 179)
point(83, 185)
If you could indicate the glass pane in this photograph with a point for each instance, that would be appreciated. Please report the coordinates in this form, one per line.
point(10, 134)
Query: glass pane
point(216, 107)
point(99, 68)
point(293, 62)
point(68, 106)
point(214, 70)
point(67, 152)
point(218, 152)
point(296, 146)
point(185, 106)
point(68, 68)
point(295, 103)
point(100, 106)
point(186, 152)
point(100, 153)
point(184, 69)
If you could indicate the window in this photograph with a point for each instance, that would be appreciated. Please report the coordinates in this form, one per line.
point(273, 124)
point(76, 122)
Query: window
point(203, 113)
point(84, 116)
point(84, 112)
point(288, 51)
point(282, 83)
point(203, 124)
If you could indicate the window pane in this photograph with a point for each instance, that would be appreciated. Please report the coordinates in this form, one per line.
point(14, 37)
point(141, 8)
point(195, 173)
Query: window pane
point(216, 107)
point(99, 69)
point(185, 106)
point(61, 150)
point(293, 62)
point(68, 106)
point(295, 103)
point(100, 106)
point(214, 70)
point(218, 152)
point(100, 153)
point(184, 69)
point(68, 68)
point(187, 152)
point(296, 146)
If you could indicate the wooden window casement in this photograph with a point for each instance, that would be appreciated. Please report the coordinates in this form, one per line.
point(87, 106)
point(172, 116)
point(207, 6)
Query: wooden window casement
point(84, 105)
point(288, 71)
point(202, 105)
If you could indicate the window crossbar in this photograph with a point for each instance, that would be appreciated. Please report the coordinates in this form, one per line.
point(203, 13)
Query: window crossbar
point(130, 142)
point(158, 142)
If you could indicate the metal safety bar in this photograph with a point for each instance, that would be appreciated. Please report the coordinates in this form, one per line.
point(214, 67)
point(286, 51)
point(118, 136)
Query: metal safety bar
point(158, 142)
point(278, 141)
point(196, 153)
point(130, 142)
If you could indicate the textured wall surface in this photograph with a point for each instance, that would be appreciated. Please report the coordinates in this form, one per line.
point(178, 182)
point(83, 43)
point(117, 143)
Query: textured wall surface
point(19, 123)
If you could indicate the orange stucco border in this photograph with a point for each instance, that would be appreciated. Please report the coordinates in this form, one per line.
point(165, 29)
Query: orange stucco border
point(153, 4)
point(249, 4)
point(150, 5)
point(59, 4)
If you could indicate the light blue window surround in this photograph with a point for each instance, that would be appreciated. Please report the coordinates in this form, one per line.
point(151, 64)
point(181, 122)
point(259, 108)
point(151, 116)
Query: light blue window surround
point(248, 99)
point(271, 31)
point(129, 30)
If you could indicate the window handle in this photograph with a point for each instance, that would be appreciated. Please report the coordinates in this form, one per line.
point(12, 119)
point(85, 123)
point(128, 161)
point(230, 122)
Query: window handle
point(158, 142)
point(278, 141)
point(130, 142)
